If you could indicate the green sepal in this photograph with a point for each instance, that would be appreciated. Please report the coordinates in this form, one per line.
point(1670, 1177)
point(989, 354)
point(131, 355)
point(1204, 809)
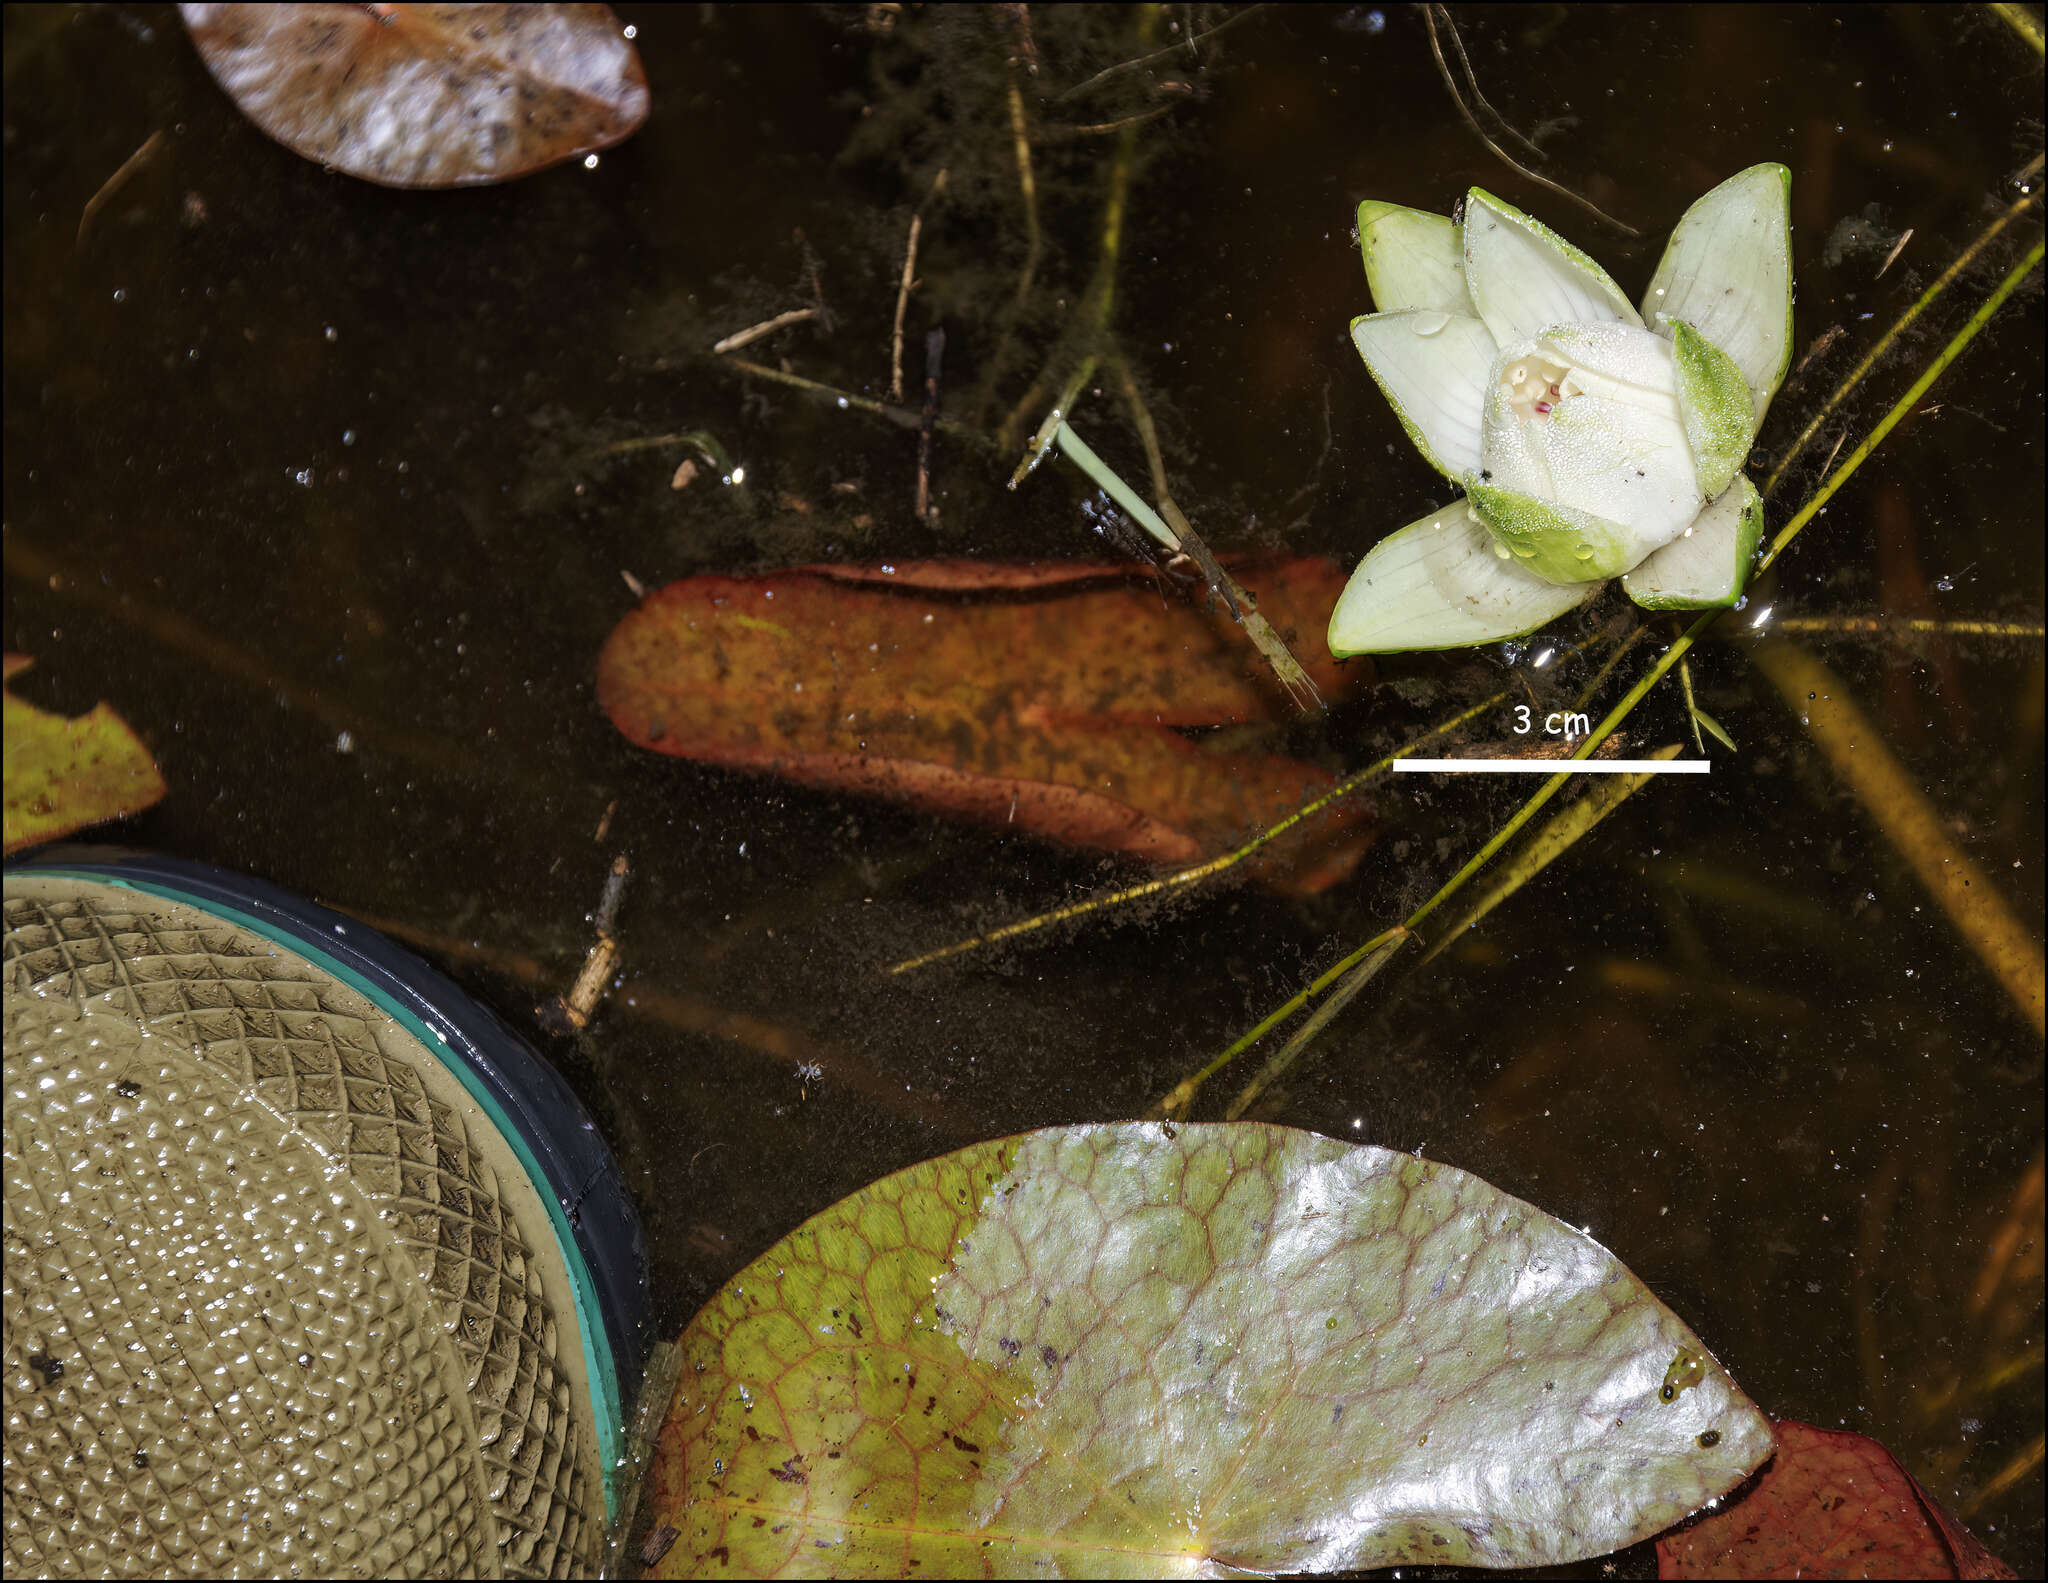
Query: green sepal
point(1728, 270)
point(1559, 543)
point(1440, 583)
point(1413, 259)
point(1707, 567)
point(1714, 400)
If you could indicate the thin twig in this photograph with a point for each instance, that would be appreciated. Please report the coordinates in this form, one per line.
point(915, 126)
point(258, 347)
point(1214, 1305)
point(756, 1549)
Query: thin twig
point(1034, 243)
point(934, 352)
point(1443, 67)
point(1299, 685)
point(754, 332)
point(902, 417)
point(1089, 331)
point(1108, 72)
point(1062, 134)
point(903, 291)
point(1891, 258)
point(114, 183)
point(571, 1012)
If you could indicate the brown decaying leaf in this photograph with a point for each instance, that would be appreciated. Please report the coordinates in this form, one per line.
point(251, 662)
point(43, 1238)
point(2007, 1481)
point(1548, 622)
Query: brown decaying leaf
point(1832, 1504)
point(64, 774)
point(1043, 698)
point(427, 95)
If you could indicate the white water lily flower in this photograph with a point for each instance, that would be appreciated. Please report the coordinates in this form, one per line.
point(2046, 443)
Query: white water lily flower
point(1592, 441)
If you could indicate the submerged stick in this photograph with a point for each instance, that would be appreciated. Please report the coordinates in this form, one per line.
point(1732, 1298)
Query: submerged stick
point(1173, 530)
point(903, 291)
point(114, 183)
point(754, 332)
point(934, 352)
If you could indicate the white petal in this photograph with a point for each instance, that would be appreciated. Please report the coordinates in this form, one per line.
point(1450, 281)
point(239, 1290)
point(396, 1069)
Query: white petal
point(1618, 361)
point(1707, 565)
point(1438, 584)
point(1727, 271)
point(1626, 462)
point(1433, 367)
point(1509, 454)
point(1524, 277)
point(1715, 404)
point(1413, 259)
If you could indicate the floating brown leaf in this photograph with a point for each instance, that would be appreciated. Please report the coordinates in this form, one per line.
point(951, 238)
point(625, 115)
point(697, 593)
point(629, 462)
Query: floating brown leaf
point(1831, 1505)
point(1042, 698)
point(64, 774)
point(427, 95)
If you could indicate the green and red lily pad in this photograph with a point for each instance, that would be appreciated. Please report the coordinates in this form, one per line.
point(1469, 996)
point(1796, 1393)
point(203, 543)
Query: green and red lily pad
point(1160, 1350)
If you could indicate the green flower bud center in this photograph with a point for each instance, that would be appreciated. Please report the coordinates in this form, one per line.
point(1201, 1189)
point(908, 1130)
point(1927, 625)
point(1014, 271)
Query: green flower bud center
point(1535, 386)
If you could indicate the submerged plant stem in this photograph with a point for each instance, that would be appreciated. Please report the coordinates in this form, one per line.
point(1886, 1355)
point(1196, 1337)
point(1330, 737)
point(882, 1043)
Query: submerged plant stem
point(1549, 844)
point(1356, 977)
point(1176, 1104)
point(1901, 626)
point(1430, 18)
point(1855, 748)
point(1900, 325)
point(1905, 404)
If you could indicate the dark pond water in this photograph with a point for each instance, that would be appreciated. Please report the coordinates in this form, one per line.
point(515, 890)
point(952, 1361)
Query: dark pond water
point(309, 479)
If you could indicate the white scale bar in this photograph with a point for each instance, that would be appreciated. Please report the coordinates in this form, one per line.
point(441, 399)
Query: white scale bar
point(1553, 766)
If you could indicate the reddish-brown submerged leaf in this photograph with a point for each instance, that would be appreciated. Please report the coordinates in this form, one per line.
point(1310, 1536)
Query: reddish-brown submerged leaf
point(427, 95)
point(1042, 698)
point(1831, 1505)
point(64, 774)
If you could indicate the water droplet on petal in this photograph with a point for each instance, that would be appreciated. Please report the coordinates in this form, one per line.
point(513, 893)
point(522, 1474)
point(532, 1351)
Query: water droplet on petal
point(1501, 550)
point(1584, 552)
point(1429, 323)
